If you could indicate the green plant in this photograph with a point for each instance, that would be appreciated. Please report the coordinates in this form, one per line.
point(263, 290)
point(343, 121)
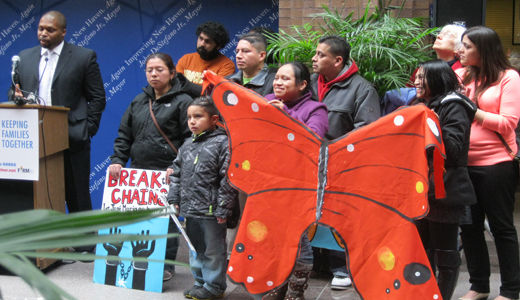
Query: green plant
point(386, 49)
point(22, 233)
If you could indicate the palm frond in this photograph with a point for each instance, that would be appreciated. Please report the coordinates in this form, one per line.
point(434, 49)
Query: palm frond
point(22, 233)
point(386, 49)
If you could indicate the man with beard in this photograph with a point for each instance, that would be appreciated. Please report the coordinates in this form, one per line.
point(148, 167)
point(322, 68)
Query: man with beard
point(211, 37)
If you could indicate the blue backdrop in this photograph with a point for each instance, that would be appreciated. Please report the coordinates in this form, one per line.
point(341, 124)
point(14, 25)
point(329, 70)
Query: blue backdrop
point(123, 33)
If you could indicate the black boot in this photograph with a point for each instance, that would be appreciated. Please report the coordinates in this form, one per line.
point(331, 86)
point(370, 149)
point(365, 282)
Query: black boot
point(277, 293)
point(448, 262)
point(298, 281)
point(431, 258)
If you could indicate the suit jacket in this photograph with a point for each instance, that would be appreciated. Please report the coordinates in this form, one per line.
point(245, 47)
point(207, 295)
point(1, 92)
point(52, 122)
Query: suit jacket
point(77, 84)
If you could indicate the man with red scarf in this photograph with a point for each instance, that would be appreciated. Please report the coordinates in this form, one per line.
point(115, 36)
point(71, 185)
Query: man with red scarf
point(351, 100)
point(351, 103)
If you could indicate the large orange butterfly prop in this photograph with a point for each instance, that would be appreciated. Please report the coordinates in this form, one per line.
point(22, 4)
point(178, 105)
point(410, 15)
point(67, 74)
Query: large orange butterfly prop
point(369, 186)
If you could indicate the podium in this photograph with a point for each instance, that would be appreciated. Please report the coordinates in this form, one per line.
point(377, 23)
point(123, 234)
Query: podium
point(48, 192)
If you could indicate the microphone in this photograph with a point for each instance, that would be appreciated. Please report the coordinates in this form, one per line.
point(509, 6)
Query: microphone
point(15, 59)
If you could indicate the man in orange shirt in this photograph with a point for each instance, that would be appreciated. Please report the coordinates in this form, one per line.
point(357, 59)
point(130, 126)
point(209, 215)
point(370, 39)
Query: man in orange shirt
point(211, 37)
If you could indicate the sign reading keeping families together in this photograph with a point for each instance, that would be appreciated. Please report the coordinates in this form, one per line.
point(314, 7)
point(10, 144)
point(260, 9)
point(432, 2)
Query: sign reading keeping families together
point(19, 144)
point(135, 189)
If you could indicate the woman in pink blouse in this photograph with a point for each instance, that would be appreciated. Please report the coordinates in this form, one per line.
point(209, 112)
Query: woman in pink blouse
point(491, 82)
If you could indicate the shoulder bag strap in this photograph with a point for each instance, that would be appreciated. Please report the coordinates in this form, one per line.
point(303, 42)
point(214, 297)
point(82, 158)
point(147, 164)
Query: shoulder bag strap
point(159, 128)
point(508, 149)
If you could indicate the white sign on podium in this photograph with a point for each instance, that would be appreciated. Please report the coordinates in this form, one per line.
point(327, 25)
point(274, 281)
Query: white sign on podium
point(19, 147)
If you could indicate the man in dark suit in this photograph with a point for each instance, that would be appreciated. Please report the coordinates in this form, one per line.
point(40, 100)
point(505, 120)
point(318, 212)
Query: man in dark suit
point(62, 74)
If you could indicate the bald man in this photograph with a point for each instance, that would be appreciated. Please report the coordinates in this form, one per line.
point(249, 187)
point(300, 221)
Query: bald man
point(63, 74)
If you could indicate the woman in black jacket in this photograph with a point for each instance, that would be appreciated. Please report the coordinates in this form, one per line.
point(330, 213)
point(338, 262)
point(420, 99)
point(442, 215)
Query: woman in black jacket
point(140, 141)
point(138, 138)
point(437, 86)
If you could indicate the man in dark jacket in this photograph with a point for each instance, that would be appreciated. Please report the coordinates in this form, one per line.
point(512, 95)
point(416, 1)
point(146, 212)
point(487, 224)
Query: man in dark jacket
point(252, 71)
point(62, 74)
point(351, 101)
point(256, 76)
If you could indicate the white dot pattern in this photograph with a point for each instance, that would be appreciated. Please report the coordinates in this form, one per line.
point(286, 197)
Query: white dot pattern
point(255, 107)
point(290, 137)
point(398, 120)
point(433, 126)
point(232, 99)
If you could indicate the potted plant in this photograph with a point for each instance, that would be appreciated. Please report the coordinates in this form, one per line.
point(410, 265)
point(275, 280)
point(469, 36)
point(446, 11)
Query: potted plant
point(386, 49)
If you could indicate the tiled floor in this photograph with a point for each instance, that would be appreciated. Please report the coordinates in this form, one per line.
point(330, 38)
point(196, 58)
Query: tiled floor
point(76, 279)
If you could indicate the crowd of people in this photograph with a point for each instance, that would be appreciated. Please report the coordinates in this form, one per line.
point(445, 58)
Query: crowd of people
point(471, 86)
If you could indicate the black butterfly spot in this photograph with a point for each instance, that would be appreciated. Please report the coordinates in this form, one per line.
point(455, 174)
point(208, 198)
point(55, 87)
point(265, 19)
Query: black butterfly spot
point(240, 247)
point(397, 284)
point(237, 165)
point(230, 98)
point(250, 257)
point(387, 291)
point(416, 273)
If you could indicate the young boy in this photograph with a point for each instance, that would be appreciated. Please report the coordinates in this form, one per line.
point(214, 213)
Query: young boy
point(199, 188)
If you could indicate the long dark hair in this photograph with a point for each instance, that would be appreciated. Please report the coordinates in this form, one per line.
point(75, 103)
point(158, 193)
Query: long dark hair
point(440, 78)
point(493, 61)
point(167, 59)
point(301, 73)
point(215, 31)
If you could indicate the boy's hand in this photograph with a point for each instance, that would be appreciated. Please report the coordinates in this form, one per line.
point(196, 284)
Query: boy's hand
point(169, 172)
point(221, 220)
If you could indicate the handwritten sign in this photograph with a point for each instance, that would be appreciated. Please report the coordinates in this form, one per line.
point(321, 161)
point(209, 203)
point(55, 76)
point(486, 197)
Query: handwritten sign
point(135, 189)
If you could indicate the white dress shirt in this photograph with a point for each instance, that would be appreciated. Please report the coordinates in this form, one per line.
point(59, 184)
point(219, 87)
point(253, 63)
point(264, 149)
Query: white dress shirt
point(48, 61)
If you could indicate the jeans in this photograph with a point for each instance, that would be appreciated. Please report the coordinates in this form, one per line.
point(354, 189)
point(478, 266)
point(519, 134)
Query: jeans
point(337, 263)
point(208, 265)
point(495, 188)
point(305, 253)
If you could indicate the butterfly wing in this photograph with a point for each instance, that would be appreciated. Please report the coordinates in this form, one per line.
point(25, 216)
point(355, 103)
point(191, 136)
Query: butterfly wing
point(274, 160)
point(370, 197)
point(377, 184)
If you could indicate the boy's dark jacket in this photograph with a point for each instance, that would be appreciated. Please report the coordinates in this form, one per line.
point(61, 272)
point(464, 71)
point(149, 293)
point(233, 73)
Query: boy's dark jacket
point(199, 184)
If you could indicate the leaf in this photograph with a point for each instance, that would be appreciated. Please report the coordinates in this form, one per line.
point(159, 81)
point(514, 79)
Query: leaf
point(388, 48)
point(22, 233)
point(33, 276)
